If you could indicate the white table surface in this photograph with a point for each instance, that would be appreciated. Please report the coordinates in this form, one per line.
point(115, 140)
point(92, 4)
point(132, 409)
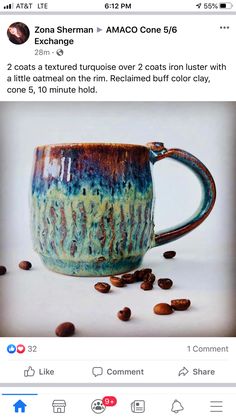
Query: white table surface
point(34, 302)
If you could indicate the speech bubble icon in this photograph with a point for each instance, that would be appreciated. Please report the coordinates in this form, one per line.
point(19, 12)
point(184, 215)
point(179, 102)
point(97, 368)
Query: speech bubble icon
point(97, 371)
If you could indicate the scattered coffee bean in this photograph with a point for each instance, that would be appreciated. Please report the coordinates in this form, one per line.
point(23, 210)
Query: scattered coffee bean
point(146, 285)
point(180, 304)
point(128, 278)
point(102, 287)
point(117, 282)
point(137, 276)
point(65, 330)
point(165, 283)
point(3, 270)
point(25, 265)
point(141, 274)
point(146, 271)
point(169, 254)
point(162, 309)
point(124, 314)
point(150, 278)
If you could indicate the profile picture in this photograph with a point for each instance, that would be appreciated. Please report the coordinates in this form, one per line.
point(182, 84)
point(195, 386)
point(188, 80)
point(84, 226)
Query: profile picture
point(18, 33)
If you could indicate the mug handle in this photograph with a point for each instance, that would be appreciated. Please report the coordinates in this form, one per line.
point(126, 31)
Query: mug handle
point(158, 152)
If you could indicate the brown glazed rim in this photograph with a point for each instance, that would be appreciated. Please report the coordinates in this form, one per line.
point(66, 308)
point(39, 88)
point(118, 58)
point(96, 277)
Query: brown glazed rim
point(75, 145)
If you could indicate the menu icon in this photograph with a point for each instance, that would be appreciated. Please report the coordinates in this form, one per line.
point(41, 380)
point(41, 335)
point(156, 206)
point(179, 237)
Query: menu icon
point(216, 406)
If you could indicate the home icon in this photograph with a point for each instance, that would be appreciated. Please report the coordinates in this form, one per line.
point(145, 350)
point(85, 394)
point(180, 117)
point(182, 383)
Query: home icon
point(59, 406)
point(19, 406)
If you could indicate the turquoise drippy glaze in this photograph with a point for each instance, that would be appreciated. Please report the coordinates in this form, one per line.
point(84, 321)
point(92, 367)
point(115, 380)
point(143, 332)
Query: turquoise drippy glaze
point(92, 206)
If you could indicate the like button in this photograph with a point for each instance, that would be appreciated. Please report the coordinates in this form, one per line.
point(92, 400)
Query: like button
point(29, 372)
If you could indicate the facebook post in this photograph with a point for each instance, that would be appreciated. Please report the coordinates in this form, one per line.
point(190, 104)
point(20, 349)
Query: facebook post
point(105, 233)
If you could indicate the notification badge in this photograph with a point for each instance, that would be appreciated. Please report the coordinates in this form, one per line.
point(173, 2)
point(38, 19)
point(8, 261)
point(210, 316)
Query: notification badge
point(109, 401)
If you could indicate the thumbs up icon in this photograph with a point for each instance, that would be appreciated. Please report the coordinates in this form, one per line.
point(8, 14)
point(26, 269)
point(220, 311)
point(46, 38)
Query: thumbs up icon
point(29, 372)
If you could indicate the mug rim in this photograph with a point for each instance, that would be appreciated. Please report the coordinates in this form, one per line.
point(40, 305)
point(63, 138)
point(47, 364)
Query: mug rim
point(89, 144)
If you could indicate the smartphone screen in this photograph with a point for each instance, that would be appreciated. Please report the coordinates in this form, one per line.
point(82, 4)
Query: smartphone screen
point(117, 209)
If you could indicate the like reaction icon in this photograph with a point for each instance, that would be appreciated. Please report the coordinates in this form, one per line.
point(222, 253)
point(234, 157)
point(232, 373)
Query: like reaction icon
point(30, 372)
point(11, 349)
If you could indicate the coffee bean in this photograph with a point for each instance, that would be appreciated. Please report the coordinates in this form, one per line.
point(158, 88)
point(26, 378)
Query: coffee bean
point(25, 265)
point(169, 254)
point(180, 304)
point(165, 283)
point(141, 274)
point(137, 276)
point(128, 278)
point(102, 287)
point(117, 282)
point(3, 270)
point(146, 286)
point(149, 278)
point(145, 274)
point(124, 314)
point(65, 330)
point(162, 309)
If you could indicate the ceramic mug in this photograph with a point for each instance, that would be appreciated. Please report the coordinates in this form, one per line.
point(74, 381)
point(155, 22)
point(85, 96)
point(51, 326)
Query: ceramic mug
point(92, 205)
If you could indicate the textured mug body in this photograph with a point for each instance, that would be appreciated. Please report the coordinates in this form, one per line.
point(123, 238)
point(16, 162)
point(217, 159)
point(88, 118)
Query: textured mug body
point(92, 207)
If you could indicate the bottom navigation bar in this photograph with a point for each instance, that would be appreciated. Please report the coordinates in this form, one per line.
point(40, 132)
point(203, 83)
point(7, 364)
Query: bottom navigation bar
point(117, 402)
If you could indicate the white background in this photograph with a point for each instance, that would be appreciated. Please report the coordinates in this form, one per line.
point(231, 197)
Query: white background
point(99, 5)
point(33, 303)
point(196, 402)
point(199, 40)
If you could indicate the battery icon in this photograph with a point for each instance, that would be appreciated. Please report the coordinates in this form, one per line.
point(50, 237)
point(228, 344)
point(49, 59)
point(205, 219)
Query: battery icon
point(226, 5)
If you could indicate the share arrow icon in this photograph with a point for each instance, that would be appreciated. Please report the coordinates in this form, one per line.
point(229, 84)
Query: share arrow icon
point(183, 371)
